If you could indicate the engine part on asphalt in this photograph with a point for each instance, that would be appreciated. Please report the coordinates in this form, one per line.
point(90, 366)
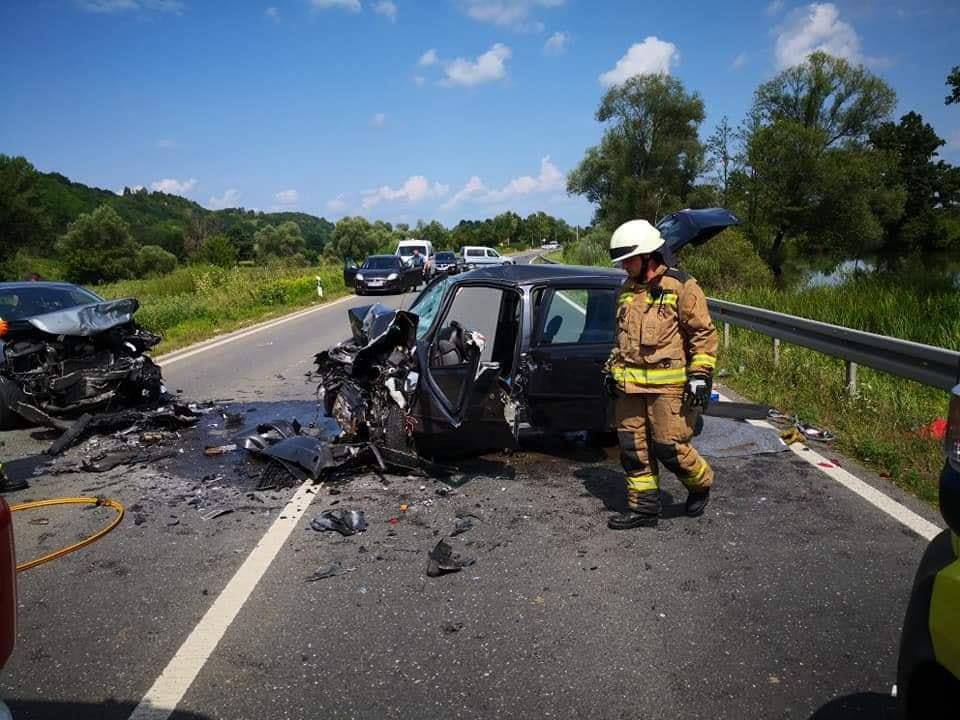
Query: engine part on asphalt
point(443, 560)
point(172, 416)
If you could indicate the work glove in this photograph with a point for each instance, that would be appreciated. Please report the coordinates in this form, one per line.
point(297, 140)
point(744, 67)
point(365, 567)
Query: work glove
point(696, 393)
point(609, 385)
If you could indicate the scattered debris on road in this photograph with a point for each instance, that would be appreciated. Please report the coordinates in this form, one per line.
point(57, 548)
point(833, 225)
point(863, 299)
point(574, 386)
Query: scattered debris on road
point(334, 569)
point(345, 522)
point(443, 560)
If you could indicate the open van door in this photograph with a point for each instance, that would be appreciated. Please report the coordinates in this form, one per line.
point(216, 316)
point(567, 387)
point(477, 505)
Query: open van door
point(467, 371)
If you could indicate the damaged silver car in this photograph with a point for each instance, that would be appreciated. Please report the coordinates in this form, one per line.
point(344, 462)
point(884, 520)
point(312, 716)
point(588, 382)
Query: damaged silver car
point(483, 355)
point(65, 351)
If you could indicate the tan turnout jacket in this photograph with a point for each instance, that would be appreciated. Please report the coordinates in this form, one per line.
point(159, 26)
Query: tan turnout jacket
point(664, 331)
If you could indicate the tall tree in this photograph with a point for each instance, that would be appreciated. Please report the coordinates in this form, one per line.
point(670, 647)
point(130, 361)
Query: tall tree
point(721, 149)
point(279, 241)
point(353, 238)
point(811, 172)
point(650, 154)
point(931, 185)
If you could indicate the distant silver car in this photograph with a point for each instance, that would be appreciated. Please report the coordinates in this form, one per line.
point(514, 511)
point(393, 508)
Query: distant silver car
point(475, 256)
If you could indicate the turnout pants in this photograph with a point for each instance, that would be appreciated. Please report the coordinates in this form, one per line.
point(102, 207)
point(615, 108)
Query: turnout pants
point(654, 428)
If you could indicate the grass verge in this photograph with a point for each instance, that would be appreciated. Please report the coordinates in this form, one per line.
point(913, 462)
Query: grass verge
point(198, 302)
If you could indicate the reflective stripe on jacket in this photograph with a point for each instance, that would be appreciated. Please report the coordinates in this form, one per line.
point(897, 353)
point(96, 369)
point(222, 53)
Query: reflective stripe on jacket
point(664, 331)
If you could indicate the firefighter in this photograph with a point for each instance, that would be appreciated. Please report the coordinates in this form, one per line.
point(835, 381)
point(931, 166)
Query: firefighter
point(659, 374)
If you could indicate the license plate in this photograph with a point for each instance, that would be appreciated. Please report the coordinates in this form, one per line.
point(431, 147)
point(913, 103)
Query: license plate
point(376, 282)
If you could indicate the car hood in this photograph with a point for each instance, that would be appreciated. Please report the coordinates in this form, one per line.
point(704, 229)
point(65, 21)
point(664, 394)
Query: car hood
point(86, 320)
point(695, 227)
point(378, 273)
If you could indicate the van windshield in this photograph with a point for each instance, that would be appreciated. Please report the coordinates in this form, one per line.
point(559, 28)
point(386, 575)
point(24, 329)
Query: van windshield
point(407, 250)
point(427, 305)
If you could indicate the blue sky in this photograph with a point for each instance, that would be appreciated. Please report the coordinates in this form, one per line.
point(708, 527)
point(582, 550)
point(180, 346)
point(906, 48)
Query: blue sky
point(406, 109)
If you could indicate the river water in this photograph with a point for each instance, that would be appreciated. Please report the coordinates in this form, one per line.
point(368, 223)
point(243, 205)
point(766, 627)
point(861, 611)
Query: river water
point(823, 271)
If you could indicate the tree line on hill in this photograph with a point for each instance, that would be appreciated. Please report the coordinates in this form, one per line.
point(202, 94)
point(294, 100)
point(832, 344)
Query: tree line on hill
point(91, 235)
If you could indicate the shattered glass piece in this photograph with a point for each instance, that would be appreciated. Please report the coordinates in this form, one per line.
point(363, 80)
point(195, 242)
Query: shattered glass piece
point(334, 569)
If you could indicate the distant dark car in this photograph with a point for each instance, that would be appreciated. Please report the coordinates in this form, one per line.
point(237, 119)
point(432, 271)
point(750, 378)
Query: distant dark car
point(64, 350)
point(447, 263)
point(482, 353)
point(928, 669)
point(386, 273)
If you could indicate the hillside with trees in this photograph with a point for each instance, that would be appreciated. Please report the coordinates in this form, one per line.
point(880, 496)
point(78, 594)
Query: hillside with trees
point(60, 228)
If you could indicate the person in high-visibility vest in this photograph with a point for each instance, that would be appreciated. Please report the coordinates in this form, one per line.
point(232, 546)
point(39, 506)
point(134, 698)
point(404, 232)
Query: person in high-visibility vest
point(660, 374)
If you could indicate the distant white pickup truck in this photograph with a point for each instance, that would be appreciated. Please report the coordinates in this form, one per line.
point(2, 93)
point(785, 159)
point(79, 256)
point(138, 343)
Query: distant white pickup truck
point(479, 256)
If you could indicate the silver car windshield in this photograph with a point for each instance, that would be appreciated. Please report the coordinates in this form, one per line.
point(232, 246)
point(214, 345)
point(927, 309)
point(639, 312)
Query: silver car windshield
point(428, 305)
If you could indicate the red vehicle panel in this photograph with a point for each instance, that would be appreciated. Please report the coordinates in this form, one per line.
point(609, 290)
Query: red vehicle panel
point(8, 585)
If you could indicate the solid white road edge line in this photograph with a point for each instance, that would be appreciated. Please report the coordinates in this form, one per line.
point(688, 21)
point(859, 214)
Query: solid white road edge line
point(166, 693)
point(179, 355)
point(891, 507)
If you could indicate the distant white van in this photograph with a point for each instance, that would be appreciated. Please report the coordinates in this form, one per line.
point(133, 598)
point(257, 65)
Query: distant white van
point(405, 250)
point(481, 256)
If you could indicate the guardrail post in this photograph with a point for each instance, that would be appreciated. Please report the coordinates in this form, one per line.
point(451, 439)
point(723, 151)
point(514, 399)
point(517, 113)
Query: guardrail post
point(726, 336)
point(776, 352)
point(851, 379)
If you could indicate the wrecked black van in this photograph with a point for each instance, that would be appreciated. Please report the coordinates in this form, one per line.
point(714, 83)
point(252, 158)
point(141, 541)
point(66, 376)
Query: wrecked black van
point(480, 356)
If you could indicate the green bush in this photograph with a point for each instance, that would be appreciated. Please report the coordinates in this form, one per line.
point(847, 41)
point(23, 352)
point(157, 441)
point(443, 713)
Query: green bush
point(98, 247)
point(154, 260)
point(217, 250)
point(592, 249)
point(726, 262)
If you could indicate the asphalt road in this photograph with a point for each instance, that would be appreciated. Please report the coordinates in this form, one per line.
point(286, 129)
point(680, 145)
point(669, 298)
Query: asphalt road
point(783, 601)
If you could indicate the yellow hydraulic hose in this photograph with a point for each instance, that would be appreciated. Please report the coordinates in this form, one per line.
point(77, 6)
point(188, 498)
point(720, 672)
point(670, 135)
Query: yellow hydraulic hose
point(77, 545)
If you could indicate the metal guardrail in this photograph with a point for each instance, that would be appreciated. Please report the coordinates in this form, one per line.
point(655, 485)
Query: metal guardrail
point(925, 364)
point(933, 366)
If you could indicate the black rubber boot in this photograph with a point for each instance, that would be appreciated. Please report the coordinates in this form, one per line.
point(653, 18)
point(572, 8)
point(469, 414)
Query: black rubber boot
point(631, 519)
point(697, 502)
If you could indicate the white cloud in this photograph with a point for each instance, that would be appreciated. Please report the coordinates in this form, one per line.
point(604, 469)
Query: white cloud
point(272, 13)
point(515, 14)
point(557, 43)
point(739, 61)
point(490, 66)
point(774, 7)
point(419, 80)
point(428, 58)
point(166, 144)
point(230, 198)
point(112, 6)
point(351, 5)
point(650, 57)
point(378, 120)
point(415, 189)
point(338, 204)
point(387, 8)
point(172, 186)
point(287, 197)
point(815, 27)
point(549, 180)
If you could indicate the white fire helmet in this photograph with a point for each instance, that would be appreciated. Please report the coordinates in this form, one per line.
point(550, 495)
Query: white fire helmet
point(635, 237)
